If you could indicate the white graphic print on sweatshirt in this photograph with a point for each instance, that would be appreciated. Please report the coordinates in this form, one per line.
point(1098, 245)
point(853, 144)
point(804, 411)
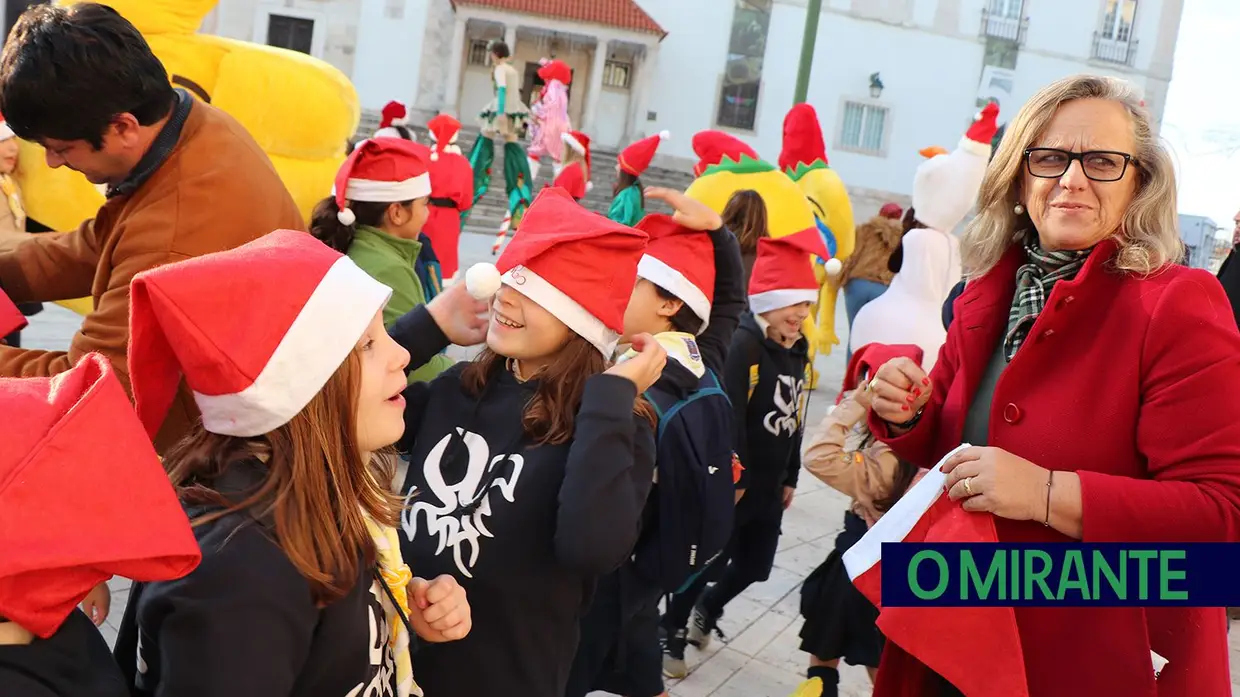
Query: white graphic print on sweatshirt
point(789, 391)
point(460, 531)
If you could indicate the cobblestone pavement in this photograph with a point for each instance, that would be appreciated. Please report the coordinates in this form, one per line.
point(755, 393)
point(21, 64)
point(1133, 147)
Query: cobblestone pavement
point(761, 657)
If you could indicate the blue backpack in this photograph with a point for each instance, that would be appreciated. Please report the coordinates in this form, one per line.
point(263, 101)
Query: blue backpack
point(694, 495)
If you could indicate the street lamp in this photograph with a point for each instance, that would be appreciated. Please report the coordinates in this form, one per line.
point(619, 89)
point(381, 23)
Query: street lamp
point(876, 86)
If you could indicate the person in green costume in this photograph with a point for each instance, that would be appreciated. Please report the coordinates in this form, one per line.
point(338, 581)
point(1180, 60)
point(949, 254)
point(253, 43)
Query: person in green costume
point(629, 206)
point(374, 216)
point(504, 117)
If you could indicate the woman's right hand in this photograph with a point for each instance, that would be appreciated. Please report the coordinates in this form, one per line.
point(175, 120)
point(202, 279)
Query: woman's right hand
point(644, 369)
point(899, 390)
point(689, 212)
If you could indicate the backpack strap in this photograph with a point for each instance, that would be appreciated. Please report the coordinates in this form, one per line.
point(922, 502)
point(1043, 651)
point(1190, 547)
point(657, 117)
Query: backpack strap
point(712, 387)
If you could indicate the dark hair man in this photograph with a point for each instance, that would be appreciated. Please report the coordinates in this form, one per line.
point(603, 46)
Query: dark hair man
point(183, 178)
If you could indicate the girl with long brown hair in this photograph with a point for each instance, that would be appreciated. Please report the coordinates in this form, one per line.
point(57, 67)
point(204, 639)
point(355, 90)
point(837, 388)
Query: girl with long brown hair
point(530, 466)
point(745, 216)
point(301, 589)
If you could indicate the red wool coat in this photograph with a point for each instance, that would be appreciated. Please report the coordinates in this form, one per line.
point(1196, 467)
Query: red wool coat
point(452, 193)
point(1134, 383)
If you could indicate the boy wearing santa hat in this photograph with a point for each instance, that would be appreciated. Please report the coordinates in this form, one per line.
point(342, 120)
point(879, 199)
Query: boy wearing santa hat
point(765, 377)
point(628, 207)
point(72, 539)
point(689, 296)
point(375, 216)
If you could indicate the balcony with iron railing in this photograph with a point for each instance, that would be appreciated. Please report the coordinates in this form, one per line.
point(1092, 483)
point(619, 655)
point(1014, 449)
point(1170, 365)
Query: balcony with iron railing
point(1119, 51)
point(1002, 27)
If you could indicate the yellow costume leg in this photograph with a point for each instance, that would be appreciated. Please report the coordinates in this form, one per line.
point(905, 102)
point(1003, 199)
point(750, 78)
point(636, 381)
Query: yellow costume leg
point(82, 306)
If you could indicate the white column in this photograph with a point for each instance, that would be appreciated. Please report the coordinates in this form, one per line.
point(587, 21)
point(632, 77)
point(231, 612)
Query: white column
point(456, 61)
point(639, 96)
point(510, 38)
point(595, 85)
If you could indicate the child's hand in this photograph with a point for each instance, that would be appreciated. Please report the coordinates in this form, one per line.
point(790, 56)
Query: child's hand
point(439, 610)
point(97, 603)
point(460, 317)
point(864, 396)
point(789, 494)
point(644, 369)
point(690, 213)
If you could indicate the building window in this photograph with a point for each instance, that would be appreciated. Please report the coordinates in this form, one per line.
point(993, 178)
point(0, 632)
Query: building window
point(479, 52)
point(1001, 19)
point(293, 33)
point(1117, 24)
point(616, 74)
point(864, 129)
point(742, 78)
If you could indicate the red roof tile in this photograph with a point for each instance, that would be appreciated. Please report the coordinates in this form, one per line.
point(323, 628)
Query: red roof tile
point(624, 14)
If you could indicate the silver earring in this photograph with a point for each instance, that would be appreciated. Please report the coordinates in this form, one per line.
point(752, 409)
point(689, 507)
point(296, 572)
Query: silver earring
point(1018, 209)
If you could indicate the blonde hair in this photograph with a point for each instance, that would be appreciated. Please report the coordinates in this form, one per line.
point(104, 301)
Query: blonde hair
point(1148, 235)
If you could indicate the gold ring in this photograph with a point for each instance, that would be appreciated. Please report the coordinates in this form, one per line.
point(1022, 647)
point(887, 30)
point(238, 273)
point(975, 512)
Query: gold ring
point(968, 490)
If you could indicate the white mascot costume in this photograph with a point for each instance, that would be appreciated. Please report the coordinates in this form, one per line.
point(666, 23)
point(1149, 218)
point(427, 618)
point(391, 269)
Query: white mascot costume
point(945, 188)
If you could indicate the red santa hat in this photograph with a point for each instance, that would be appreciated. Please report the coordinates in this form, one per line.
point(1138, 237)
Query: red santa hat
point(395, 113)
point(573, 180)
point(783, 274)
point(945, 186)
point(951, 641)
point(891, 210)
point(380, 170)
point(11, 318)
point(803, 143)
point(580, 142)
point(256, 331)
point(444, 130)
point(680, 261)
point(6, 131)
point(85, 495)
point(636, 158)
point(554, 69)
point(712, 147)
point(576, 264)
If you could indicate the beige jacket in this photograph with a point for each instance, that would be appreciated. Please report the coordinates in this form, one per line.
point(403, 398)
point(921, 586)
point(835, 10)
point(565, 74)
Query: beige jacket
point(837, 452)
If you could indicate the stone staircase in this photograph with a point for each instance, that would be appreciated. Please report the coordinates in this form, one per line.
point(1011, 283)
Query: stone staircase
point(489, 212)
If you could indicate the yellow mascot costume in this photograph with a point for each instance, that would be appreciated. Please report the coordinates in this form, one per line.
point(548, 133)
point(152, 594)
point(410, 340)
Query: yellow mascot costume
point(299, 109)
point(727, 165)
point(804, 160)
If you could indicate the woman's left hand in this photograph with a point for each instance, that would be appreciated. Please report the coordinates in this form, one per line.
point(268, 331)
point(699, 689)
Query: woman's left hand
point(996, 481)
point(460, 317)
point(439, 610)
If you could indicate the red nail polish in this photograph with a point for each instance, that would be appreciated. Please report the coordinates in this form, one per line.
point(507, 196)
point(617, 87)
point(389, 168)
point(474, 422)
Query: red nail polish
point(904, 407)
point(917, 391)
point(925, 381)
point(911, 399)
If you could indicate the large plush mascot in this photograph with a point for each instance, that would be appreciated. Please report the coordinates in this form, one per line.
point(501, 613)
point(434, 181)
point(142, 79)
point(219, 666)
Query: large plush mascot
point(804, 160)
point(301, 110)
point(727, 165)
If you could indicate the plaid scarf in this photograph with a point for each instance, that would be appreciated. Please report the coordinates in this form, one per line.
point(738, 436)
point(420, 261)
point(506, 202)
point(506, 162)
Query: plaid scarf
point(1034, 281)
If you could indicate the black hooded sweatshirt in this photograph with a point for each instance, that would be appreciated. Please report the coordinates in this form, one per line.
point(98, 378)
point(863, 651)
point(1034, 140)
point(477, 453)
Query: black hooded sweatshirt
point(73, 662)
point(766, 383)
point(548, 520)
point(1229, 276)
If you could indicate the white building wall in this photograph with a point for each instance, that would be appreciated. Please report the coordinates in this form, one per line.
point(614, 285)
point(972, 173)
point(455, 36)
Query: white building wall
point(390, 43)
point(335, 24)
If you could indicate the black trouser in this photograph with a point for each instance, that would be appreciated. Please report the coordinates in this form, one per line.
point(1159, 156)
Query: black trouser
point(619, 647)
point(747, 560)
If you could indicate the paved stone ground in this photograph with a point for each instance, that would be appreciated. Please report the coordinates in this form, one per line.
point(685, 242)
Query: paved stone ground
point(761, 657)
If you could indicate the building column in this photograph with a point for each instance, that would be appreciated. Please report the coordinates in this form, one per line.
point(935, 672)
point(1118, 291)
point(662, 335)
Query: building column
point(595, 85)
point(456, 62)
point(510, 38)
point(639, 94)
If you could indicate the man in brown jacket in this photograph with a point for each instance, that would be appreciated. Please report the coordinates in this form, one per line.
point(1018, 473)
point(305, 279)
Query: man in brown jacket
point(183, 179)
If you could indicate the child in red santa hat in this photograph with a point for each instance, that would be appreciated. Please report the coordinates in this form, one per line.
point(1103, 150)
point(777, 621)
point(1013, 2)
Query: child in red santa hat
point(375, 215)
point(63, 539)
point(530, 466)
point(574, 176)
point(628, 207)
point(301, 590)
point(765, 375)
point(689, 296)
point(841, 451)
point(395, 122)
point(452, 192)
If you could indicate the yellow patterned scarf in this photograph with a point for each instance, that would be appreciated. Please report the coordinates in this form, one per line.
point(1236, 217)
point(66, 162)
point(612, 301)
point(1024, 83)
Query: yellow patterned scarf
point(396, 576)
point(12, 194)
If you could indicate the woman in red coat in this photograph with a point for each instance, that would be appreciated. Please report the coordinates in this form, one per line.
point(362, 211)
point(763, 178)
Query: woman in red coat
point(1098, 382)
point(452, 192)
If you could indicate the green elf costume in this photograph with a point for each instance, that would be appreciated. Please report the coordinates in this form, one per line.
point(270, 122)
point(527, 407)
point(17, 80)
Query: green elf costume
point(629, 205)
point(505, 116)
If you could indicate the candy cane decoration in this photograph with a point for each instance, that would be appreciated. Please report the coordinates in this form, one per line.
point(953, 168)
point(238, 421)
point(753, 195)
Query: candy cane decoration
point(503, 232)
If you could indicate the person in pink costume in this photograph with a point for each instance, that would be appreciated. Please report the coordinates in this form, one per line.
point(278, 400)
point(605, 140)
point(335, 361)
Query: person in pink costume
point(551, 120)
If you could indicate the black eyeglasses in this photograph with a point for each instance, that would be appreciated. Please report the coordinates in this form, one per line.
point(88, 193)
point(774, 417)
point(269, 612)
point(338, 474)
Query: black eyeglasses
point(1098, 165)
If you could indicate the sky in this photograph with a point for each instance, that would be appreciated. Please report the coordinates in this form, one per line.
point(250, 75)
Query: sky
point(1201, 121)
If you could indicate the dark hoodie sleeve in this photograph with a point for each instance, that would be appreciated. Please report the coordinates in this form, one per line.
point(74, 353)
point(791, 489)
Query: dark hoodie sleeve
point(742, 354)
point(607, 478)
point(729, 301)
point(418, 333)
point(240, 625)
